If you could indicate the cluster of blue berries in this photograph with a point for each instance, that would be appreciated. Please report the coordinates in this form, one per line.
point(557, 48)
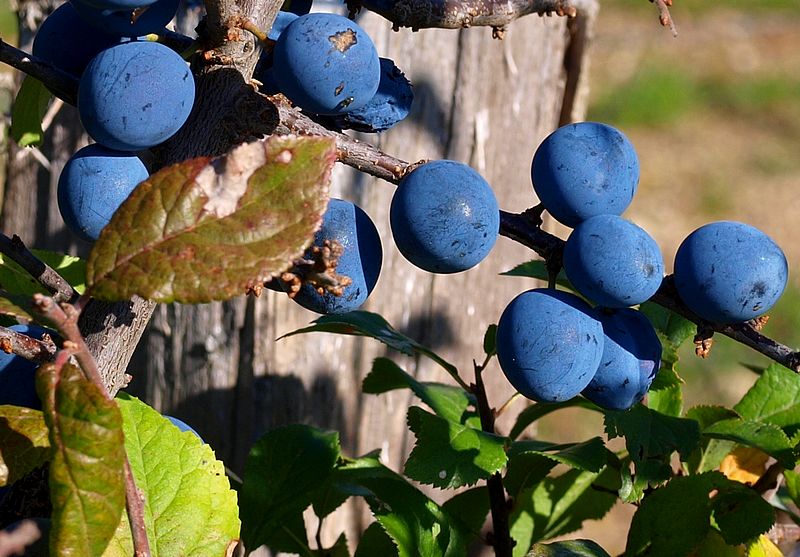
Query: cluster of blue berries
point(327, 65)
point(133, 95)
point(553, 345)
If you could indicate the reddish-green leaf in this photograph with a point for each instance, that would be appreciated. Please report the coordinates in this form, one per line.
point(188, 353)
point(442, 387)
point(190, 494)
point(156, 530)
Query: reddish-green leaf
point(23, 442)
point(205, 230)
point(86, 473)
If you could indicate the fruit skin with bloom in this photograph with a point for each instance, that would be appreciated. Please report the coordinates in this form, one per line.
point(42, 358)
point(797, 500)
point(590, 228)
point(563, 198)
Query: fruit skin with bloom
point(631, 359)
point(135, 95)
point(347, 224)
point(585, 169)
point(92, 186)
point(613, 262)
point(444, 217)
point(549, 344)
point(730, 272)
point(326, 64)
point(129, 22)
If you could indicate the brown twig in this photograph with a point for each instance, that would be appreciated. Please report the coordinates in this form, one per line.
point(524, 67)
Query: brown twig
point(62, 84)
point(39, 351)
point(457, 14)
point(48, 277)
point(664, 16)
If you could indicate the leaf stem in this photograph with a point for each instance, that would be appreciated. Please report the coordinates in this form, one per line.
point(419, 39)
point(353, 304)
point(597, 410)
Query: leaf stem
point(134, 504)
point(501, 534)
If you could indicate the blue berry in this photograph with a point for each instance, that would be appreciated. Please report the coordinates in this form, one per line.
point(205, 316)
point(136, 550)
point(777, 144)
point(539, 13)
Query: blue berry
point(326, 64)
point(729, 272)
point(183, 426)
point(444, 217)
point(299, 7)
point(585, 169)
point(390, 105)
point(92, 186)
point(66, 41)
point(126, 23)
point(116, 5)
point(361, 260)
point(17, 384)
point(630, 362)
point(135, 95)
point(613, 262)
point(549, 344)
point(282, 21)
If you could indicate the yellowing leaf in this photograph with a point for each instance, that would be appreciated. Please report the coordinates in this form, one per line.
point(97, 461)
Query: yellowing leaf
point(763, 547)
point(744, 465)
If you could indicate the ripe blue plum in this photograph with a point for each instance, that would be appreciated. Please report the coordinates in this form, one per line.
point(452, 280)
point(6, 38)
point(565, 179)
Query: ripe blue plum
point(729, 272)
point(92, 186)
point(126, 23)
point(326, 64)
point(361, 260)
point(135, 95)
point(282, 21)
point(444, 217)
point(390, 105)
point(116, 5)
point(17, 385)
point(66, 41)
point(613, 262)
point(585, 169)
point(630, 362)
point(549, 344)
point(183, 426)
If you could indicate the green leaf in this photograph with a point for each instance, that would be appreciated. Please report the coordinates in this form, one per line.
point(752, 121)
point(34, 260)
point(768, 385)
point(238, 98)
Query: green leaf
point(525, 470)
point(417, 525)
point(86, 472)
point(366, 324)
point(28, 111)
point(741, 513)
point(792, 480)
point(375, 541)
point(711, 452)
point(538, 270)
point(204, 230)
point(17, 286)
point(672, 330)
point(558, 506)
point(449, 402)
point(24, 443)
point(338, 549)
point(284, 470)
point(591, 455)
point(189, 507)
point(540, 409)
point(651, 434)
point(490, 340)
point(570, 548)
point(764, 436)
point(470, 507)
point(448, 454)
point(773, 398)
point(674, 519)
point(668, 400)
point(714, 545)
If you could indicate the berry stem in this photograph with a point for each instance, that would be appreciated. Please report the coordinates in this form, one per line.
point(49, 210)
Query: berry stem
point(501, 534)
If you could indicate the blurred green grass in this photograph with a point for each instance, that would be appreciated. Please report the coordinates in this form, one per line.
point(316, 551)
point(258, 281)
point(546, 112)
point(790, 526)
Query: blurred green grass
point(8, 23)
